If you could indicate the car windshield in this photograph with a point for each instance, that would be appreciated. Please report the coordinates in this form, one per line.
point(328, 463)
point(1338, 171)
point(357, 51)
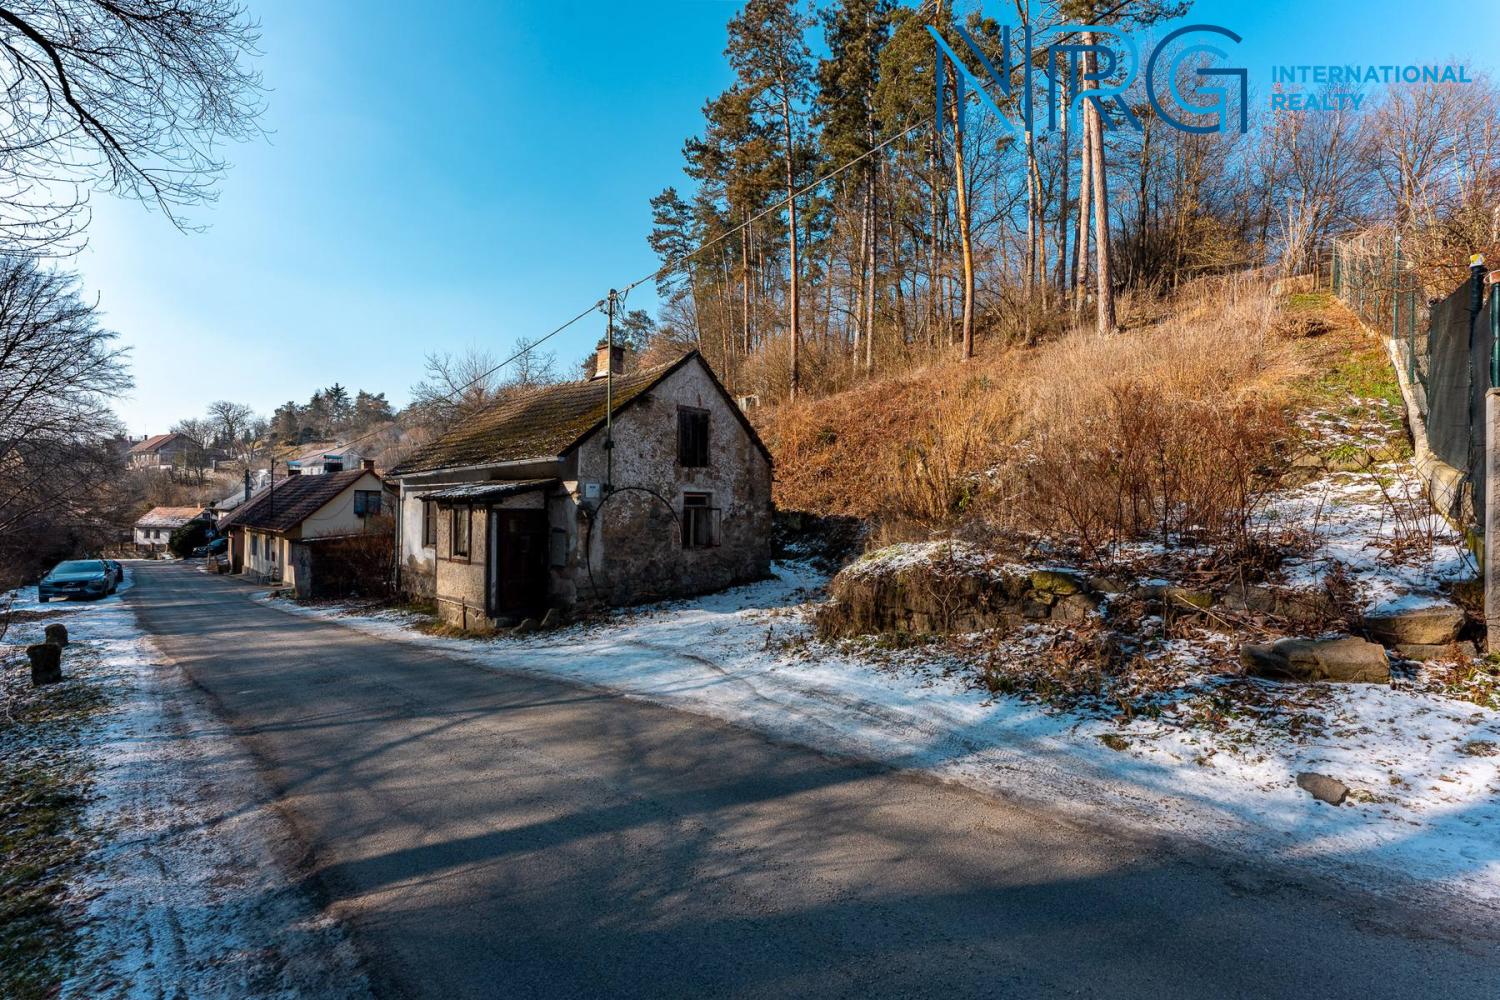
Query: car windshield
point(80, 566)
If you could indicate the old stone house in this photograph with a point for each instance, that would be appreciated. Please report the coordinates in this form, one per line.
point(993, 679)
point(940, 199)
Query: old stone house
point(165, 450)
point(274, 536)
point(618, 489)
point(153, 530)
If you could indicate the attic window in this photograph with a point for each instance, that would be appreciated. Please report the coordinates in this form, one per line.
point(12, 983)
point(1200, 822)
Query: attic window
point(366, 503)
point(692, 437)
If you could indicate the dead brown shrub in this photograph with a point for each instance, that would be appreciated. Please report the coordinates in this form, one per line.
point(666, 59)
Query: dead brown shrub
point(908, 449)
point(1167, 432)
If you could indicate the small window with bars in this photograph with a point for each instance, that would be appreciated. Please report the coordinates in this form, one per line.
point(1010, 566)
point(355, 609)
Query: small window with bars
point(692, 437)
point(366, 503)
point(700, 521)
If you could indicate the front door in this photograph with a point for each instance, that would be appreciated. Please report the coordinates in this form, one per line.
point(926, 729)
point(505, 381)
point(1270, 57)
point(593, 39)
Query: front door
point(518, 561)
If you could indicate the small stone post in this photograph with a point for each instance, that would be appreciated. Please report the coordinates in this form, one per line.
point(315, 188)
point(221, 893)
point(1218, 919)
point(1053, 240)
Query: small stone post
point(46, 663)
point(1492, 519)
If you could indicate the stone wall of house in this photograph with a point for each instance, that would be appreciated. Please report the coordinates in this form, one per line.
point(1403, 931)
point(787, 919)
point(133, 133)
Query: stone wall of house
point(419, 561)
point(626, 546)
point(460, 579)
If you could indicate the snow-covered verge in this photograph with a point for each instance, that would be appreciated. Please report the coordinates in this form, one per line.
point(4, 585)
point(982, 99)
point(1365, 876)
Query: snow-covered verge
point(1379, 529)
point(1217, 762)
point(186, 889)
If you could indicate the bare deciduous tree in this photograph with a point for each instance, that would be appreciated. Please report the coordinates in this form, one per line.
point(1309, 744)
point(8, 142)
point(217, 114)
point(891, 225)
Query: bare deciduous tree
point(459, 385)
point(132, 96)
point(58, 371)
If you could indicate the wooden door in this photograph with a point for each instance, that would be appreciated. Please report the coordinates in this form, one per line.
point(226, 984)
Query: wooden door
point(518, 561)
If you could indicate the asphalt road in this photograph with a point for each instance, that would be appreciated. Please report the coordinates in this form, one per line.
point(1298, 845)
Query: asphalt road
point(483, 834)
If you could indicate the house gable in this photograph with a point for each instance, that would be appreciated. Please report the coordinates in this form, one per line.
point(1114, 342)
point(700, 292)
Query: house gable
point(692, 357)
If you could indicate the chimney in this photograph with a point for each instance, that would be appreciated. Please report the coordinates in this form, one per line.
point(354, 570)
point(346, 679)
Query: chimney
point(368, 464)
point(293, 471)
point(609, 361)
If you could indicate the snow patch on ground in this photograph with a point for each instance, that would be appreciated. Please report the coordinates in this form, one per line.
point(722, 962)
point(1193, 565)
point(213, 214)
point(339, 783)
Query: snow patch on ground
point(1424, 809)
point(1376, 524)
point(190, 892)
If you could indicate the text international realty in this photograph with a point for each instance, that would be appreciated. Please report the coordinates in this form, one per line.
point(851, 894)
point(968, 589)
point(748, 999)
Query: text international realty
point(1370, 74)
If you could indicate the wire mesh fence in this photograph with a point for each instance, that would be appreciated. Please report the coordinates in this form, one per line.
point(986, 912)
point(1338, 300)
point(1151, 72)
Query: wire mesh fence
point(1371, 279)
point(1448, 348)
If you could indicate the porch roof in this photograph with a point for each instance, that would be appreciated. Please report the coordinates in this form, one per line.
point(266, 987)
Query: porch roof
point(481, 493)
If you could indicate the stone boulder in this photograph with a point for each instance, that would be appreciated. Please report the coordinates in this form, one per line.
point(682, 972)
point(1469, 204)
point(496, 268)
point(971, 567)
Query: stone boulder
point(1323, 788)
point(1426, 625)
point(1346, 660)
point(46, 663)
point(1424, 653)
point(57, 634)
point(947, 587)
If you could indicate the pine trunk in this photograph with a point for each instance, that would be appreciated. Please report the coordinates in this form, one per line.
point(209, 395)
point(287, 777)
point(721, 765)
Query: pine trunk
point(794, 331)
point(1103, 275)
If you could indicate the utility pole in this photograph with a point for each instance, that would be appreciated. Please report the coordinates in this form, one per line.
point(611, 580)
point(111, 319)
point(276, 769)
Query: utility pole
point(609, 394)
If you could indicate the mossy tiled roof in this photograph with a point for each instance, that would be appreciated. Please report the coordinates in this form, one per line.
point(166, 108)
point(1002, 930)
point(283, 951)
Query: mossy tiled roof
point(545, 422)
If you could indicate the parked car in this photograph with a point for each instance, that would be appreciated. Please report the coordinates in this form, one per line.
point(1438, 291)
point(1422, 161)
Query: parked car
point(213, 548)
point(77, 578)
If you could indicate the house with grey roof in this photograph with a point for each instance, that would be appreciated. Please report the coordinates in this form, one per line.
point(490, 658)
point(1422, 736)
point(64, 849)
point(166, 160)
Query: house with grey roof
point(622, 488)
point(274, 536)
point(154, 528)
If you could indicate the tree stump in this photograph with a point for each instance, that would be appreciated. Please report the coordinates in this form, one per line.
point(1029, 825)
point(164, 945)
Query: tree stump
point(57, 634)
point(46, 663)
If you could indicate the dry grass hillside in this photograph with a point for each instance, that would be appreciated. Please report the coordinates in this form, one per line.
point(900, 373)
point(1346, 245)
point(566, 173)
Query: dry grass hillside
point(1176, 428)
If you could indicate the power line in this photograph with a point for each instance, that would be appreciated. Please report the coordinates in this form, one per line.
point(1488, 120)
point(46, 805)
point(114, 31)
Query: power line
point(455, 392)
point(776, 207)
point(666, 269)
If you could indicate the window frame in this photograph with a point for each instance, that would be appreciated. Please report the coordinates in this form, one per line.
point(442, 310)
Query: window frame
point(700, 521)
point(453, 533)
point(362, 503)
point(699, 438)
point(429, 524)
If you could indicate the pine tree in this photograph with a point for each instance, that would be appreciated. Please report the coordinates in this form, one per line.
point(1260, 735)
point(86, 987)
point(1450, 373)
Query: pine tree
point(855, 32)
point(771, 58)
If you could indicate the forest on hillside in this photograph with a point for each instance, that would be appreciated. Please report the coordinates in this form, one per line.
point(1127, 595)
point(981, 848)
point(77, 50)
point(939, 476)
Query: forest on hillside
point(922, 245)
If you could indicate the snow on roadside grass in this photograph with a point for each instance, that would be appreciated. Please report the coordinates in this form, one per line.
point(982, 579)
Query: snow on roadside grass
point(1397, 550)
point(187, 888)
point(1425, 808)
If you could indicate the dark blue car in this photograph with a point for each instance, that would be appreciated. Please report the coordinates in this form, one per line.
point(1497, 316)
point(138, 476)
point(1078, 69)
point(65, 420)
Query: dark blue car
point(77, 578)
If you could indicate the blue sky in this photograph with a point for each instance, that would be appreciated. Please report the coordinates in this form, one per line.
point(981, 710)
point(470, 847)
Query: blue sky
point(437, 178)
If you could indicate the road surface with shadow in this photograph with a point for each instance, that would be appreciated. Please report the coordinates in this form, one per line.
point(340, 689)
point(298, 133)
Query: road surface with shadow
point(483, 834)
